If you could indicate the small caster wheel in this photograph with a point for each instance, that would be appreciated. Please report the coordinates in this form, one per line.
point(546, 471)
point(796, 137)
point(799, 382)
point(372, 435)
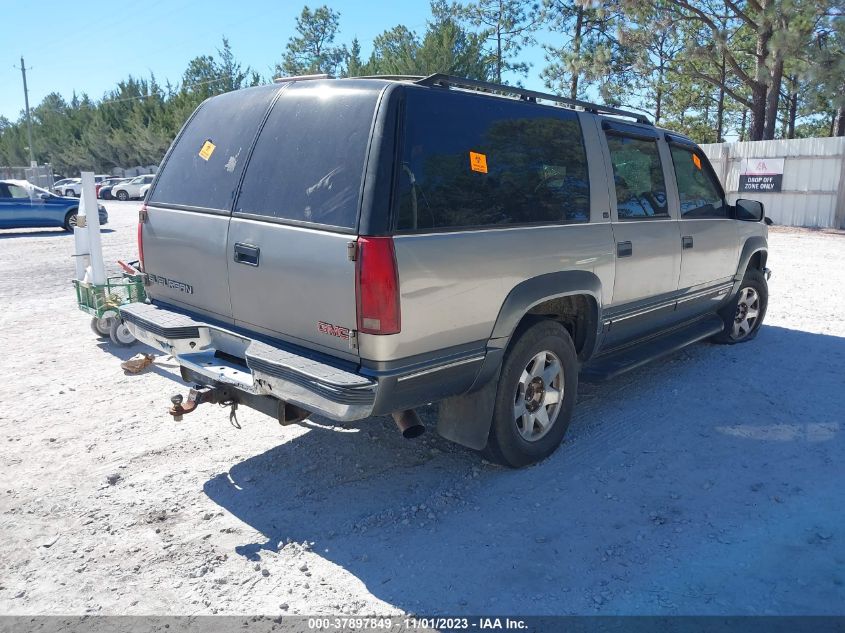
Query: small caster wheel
point(120, 334)
point(101, 327)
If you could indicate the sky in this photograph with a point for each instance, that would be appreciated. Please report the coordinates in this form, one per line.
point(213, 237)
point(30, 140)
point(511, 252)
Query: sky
point(88, 46)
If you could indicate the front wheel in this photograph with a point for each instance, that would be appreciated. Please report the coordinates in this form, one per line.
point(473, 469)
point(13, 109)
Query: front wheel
point(535, 396)
point(70, 221)
point(123, 196)
point(744, 314)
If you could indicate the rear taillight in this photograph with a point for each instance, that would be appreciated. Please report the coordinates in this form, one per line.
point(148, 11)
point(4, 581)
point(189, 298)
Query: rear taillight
point(377, 286)
point(142, 217)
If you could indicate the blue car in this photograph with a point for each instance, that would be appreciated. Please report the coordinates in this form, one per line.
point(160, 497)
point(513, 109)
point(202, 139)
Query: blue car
point(23, 205)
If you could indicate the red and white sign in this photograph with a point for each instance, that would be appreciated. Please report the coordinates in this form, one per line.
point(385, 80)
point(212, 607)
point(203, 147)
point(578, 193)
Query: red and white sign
point(763, 175)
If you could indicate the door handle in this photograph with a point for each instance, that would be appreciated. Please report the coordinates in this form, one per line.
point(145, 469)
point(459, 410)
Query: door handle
point(686, 241)
point(624, 249)
point(247, 254)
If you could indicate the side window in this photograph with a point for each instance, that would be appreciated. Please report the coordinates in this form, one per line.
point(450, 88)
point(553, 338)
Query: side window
point(638, 176)
point(699, 194)
point(4, 190)
point(472, 161)
point(16, 191)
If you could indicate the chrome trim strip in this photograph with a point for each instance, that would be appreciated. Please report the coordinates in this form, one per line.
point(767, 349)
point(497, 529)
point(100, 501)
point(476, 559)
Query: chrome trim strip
point(430, 370)
point(714, 290)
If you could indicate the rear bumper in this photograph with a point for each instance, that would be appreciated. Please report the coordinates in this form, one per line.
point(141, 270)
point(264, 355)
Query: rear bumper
point(226, 358)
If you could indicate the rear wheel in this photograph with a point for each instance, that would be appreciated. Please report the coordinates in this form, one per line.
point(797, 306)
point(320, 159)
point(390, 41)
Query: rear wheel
point(120, 334)
point(744, 314)
point(122, 195)
point(535, 396)
point(69, 193)
point(70, 220)
point(101, 327)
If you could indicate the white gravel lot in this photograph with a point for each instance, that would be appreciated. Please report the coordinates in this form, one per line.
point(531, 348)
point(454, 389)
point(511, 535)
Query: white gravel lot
point(710, 483)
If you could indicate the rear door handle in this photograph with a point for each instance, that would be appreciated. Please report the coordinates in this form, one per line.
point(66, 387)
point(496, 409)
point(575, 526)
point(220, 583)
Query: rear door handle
point(686, 241)
point(624, 249)
point(247, 254)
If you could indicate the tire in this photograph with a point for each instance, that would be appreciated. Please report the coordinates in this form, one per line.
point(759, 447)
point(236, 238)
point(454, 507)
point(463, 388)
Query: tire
point(120, 334)
point(101, 327)
point(520, 440)
point(106, 195)
point(70, 220)
point(122, 195)
point(69, 193)
point(752, 297)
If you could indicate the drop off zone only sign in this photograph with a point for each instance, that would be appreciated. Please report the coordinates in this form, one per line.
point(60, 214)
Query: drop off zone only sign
point(761, 174)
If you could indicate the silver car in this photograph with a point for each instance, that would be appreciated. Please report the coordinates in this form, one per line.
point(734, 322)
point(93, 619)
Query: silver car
point(358, 247)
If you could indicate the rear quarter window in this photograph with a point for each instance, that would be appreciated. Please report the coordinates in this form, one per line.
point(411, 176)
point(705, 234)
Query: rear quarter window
point(475, 161)
point(206, 163)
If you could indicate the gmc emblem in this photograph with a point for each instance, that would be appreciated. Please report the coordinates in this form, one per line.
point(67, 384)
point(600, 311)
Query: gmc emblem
point(333, 330)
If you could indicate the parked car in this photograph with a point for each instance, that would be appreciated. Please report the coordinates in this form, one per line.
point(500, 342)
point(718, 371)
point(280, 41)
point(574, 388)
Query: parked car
point(132, 189)
point(23, 205)
point(413, 242)
point(104, 192)
point(98, 182)
point(68, 187)
point(144, 191)
point(58, 184)
point(74, 186)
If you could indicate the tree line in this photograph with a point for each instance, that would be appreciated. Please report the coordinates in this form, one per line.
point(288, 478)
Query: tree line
point(753, 69)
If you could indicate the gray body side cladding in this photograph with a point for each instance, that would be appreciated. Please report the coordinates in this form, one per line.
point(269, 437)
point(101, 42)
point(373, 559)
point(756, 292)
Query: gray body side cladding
point(466, 419)
point(754, 244)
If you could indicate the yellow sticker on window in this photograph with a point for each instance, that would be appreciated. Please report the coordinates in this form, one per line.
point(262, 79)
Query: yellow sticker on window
point(207, 150)
point(696, 161)
point(478, 162)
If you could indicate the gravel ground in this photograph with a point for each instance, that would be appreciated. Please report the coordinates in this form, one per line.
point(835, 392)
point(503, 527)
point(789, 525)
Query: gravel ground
point(710, 483)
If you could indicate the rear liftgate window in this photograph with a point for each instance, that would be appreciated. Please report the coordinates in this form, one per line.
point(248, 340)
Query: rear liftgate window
point(205, 165)
point(309, 160)
point(473, 161)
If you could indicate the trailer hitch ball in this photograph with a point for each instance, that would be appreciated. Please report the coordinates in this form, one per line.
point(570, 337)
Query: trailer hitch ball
point(176, 410)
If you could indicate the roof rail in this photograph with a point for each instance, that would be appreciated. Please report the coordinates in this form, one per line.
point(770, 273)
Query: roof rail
point(281, 80)
point(414, 78)
point(441, 79)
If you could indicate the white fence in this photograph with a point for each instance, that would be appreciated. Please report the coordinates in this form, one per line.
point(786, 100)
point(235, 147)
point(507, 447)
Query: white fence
point(813, 189)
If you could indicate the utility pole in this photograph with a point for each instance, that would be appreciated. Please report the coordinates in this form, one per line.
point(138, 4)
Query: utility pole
point(28, 119)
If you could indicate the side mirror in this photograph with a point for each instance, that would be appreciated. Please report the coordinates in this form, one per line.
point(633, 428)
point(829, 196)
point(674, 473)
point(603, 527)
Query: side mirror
point(44, 196)
point(768, 221)
point(749, 210)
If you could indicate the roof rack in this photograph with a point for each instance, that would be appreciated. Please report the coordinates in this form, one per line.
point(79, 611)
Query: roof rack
point(414, 78)
point(441, 79)
point(281, 80)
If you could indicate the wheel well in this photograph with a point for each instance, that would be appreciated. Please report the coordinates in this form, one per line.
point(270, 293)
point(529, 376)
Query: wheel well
point(577, 313)
point(757, 261)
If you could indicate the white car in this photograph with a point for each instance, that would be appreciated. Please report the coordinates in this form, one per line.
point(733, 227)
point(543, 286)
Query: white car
point(144, 191)
point(68, 187)
point(72, 187)
point(132, 189)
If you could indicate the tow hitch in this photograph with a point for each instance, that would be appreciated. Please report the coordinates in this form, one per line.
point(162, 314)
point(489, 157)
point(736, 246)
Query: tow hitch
point(196, 397)
point(285, 412)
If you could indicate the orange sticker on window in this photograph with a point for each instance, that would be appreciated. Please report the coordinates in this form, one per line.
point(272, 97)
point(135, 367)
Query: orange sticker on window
point(478, 162)
point(207, 150)
point(696, 161)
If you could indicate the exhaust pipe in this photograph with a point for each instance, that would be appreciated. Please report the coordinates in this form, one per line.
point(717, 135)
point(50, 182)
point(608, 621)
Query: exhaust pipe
point(409, 423)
